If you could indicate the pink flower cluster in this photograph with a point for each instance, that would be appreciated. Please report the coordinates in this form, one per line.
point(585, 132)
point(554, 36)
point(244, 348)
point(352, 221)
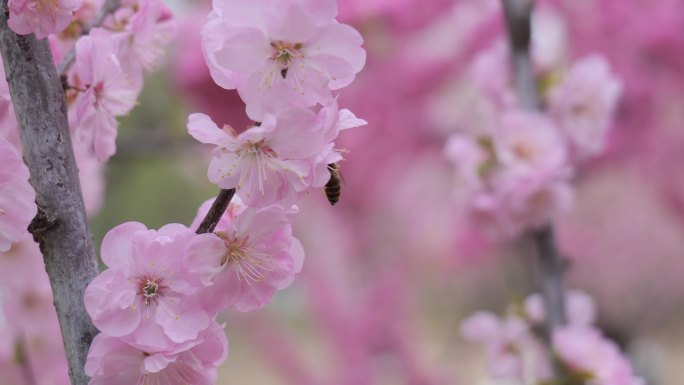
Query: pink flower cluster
point(157, 302)
point(514, 167)
point(148, 305)
point(41, 17)
point(516, 352)
point(17, 198)
point(108, 74)
point(285, 59)
point(278, 53)
point(103, 84)
point(31, 347)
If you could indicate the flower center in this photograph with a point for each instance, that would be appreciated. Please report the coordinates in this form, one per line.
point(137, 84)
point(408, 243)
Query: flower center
point(250, 266)
point(524, 151)
point(284, 54)
point(50, 5)
point(150, 288)
point(258, 155)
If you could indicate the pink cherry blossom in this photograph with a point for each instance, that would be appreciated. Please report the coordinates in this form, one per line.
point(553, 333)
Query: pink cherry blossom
point(514, 178)
point(28, 317)
point(580, 308)
point(112, 361)
point(17, 197)
point(146, 295)
point(584, 103)
point(109, 92)
point(41, 17)
point(586, 351)
point(519, 202)
point(470, 160)
point(278, 160)
point(30, 303)
point(9, 127)
point(146, 33)
point(278, 53)
point(510, 347)
point(252, 255)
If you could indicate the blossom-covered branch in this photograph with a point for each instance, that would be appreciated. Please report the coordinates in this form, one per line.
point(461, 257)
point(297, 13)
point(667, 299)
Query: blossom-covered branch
point(518, 19)
point(60, 227)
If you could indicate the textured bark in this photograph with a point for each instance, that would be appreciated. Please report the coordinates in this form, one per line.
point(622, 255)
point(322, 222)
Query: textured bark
point(551, 265)
point(60, 227)
point(216, 211)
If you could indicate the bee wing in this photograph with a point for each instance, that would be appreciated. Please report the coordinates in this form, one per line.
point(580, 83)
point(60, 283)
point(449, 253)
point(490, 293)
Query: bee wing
point(344, 182)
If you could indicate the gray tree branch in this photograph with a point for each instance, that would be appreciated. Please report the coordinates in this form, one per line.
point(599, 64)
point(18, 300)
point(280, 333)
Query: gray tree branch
point(60, 227)
point(551, 265)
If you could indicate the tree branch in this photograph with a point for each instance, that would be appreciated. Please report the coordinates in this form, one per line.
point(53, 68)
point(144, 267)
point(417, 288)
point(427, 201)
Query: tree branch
point(518, 20)
point(518, 15)
point(61, 227)
point(216, 211)
point(109, 7)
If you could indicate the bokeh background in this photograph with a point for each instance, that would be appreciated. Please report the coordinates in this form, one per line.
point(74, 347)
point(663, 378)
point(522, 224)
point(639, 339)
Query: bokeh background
point(394, 267)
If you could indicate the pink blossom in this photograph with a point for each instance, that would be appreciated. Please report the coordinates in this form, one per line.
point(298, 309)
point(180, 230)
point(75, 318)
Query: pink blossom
point(30, 303)
point(516, 177)
point(580, 308)
point(510, 347)
point(519, 202)
point(146, 33)
point(276, 161)
point(470, 159)
point(586, 352)
point(9, 127)
point(111, 361)
point(584, 103)
point(109, 92)
point(146, 295)
point(278, 52)
point(252, 255)
point(41, 17)
point(28, 316)
point(17, 197)
point(528, 142)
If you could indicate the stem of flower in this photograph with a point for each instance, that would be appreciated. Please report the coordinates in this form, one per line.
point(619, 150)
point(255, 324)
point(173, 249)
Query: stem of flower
point(216, 211)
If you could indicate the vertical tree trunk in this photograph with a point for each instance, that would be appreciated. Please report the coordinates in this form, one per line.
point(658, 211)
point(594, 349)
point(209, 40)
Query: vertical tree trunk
point(60, 227)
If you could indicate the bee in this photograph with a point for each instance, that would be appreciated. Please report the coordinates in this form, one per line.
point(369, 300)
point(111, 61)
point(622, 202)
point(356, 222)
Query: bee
point(334, 186)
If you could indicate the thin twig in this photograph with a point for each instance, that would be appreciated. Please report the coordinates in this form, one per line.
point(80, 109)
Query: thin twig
point(552, 266)
point(518, 15)
point(216, 211)
point(109, 7)
point(61, 226)
point(518, 21)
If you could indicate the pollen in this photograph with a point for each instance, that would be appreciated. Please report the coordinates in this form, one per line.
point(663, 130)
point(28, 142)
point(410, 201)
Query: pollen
point(151, 288)
point(249, 265)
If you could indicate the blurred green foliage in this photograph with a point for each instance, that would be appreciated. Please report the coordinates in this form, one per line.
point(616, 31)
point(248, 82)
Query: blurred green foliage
point(150, 179)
